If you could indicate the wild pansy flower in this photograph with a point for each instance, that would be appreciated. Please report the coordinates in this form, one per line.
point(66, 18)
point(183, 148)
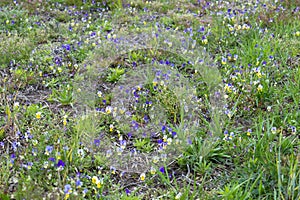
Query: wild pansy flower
point(169, 141)
point(108, 153)
point(227, 136)
point(67, 191)
point(162, 170)
point(164, 157)
point(108, 109)
point(127, 191)
point(80, 152)
point(123, 144)
point(46, 164)
point(155, 159)
point(259, 88)
point(297, 33)
point(223, 61)
point(152, 170)
point(97, 142)
point(97, 181)
point(111, 127)
point(16, 105)
point(178, 196)
point(249, 131)
point(94, 179)
point(204, 40)
point(231, 135)
point(38, 115)
point(84, 192)
point(228, 87)
point(273, 130)
point(294, 130)
point(165, 138)
point(60, 165)
point(229, 57)
point(78, 183)
point(28, 165)
point(65, 120)
point(12, 159)
point(48, 150)
point(2, 144)
point(58, 156)
point(112, 169)
point(245, 27)
point(119, 151)
point(142, 176)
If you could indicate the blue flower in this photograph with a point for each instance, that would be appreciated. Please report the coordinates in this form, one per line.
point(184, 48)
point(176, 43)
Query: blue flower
point(60, 164)
point(78, 183)
point(127, 191)
point(67, 189)
point(48, 150)
point(174, 133)
point(97, 142)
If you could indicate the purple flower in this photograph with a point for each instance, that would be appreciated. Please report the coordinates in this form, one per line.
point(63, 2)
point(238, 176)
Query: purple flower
point(67, 189)
point(97, 142)
point(60, 164)
point(162, 170)
point(48, 150)
point(78, 183)
point(129, 135)
point(174, 133)
point(127, 191)
point(13, 156)
point(52, 159)
point(163, 128)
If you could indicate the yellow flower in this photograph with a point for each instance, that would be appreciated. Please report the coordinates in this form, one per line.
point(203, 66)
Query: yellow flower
point(258, 74)
point(155, 159)
point(38, 115)
point(67, 196)
point(154, 83)
point(297, 33)
point(178, 195)
point(108, 109)
point(99, 183)
point(59, 69)
point(249, 131)
point(142, 176)
point(111, 127)
point(152, 170)
point(95, 179)
point(259, 88)
point(65, 120)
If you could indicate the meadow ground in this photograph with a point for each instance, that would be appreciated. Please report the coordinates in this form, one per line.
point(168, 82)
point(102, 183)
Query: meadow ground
point(149, 99)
